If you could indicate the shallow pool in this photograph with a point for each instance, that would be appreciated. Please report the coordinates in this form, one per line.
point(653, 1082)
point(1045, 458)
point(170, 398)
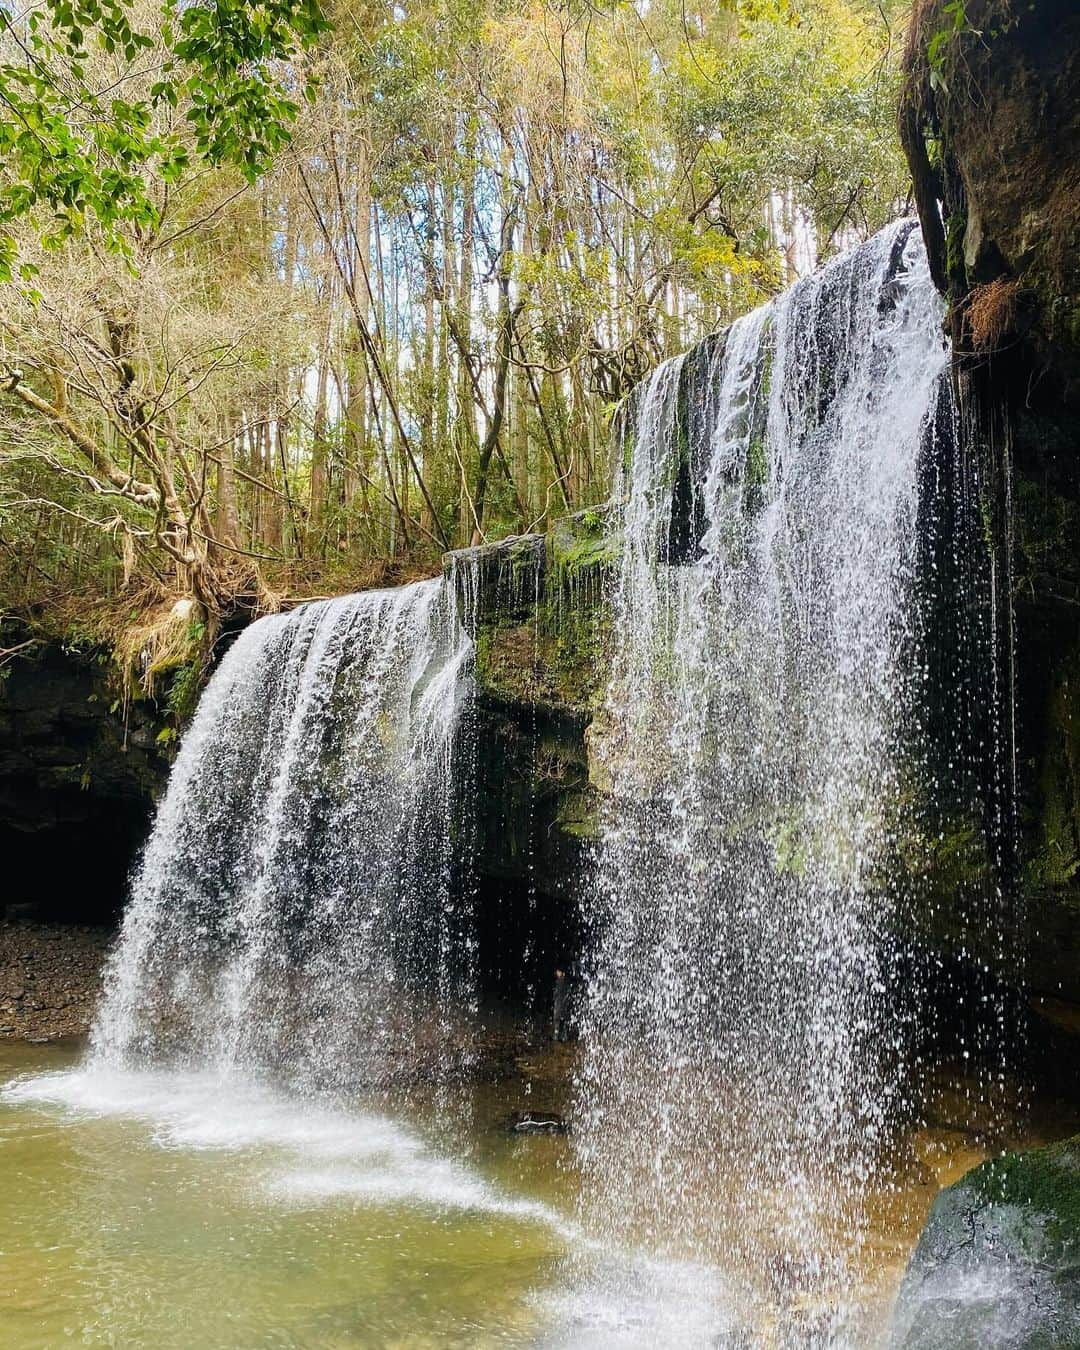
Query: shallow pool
point(168, 1210)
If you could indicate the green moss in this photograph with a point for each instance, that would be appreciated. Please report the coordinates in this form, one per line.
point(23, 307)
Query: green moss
point(582, 542)
point(583, 824)
point(1046, 1180)
point(757, 462)
point(955, 234)
point(756, 475)
point(1055, 860)
point(1047, 534)
point(521, 556)
point(789, 849)
point(184, 689)
point(546, 648)
point(957, 858)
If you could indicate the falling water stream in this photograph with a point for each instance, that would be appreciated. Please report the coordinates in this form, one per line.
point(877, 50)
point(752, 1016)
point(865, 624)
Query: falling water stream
point(286, 1054)
point(741, 1068)
point(293, 910)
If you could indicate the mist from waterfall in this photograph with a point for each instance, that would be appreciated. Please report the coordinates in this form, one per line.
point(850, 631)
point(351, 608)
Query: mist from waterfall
point(294, 912)
point(740, 1068)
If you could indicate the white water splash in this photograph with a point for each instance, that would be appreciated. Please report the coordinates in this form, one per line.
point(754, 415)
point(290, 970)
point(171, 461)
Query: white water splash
point(294, 911)
point(740, 1066)
point(309, 1153)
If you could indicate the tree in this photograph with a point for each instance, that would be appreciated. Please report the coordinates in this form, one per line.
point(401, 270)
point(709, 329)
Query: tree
point(96, 93)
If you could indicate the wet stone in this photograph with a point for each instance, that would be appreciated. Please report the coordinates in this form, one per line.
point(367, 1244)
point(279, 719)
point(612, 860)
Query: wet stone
point(536, 1122)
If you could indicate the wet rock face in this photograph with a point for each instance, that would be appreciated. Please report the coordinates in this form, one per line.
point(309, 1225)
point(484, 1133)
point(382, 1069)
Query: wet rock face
point(537, 609)
point(1047, 657)
point(990, 121)
point(998, 89)
point(77, 787)
point(1017, 157)
point(998, 1263)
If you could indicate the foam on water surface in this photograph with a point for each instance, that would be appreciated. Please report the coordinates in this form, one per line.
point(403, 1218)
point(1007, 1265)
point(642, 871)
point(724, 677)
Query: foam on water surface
point(307, 1151)
point(286, 1155)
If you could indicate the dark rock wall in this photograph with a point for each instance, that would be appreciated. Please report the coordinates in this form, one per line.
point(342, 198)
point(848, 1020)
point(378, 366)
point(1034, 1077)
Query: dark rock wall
point(991, 124)
point(1046, 601)
point(78, 780)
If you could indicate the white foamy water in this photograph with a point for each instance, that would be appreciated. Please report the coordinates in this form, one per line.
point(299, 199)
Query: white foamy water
point(621, 1301)
point(293, 909)
point(307, 1152)
point(741, 1067)
point(287, 1154)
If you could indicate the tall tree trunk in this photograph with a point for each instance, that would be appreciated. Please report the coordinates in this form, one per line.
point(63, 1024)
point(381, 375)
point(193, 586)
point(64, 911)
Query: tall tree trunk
point(464, 433)
point(227, 526)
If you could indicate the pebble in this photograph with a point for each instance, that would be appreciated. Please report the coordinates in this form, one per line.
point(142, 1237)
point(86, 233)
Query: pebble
point(50, 978)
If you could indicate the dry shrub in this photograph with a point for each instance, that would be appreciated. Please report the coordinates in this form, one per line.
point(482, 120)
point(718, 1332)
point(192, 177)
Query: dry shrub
point(991, 312)
point(147, 629)
point(158, 642)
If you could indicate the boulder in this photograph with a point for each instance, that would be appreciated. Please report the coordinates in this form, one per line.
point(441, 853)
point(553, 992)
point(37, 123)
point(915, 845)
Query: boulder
point(997, 1266)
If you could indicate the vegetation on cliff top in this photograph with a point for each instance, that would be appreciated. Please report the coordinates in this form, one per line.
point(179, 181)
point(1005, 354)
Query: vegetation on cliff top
point(256, 347)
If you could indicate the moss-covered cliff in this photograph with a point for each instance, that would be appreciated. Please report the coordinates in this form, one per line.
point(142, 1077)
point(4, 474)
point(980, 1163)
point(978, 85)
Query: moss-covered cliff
point(990, 123)
point(536, 607)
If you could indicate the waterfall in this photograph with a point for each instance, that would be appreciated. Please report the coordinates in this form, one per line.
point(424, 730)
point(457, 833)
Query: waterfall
point(304, 912)
point(295, 912)
point(740, 1069)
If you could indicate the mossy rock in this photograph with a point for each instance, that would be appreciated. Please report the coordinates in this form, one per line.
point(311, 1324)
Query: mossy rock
point(584, 542)
point(503, 580)
point(998, 1263)
point(537, 608)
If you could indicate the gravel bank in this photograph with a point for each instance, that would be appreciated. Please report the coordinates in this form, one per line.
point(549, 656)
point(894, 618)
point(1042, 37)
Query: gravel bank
point(50, 977)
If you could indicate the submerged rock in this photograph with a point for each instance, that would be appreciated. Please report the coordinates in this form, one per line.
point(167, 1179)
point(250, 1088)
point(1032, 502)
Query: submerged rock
point(536, 1122)
point(998, 1263)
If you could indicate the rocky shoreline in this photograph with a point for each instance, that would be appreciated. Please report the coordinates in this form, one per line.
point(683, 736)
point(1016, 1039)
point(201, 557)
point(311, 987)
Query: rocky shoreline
point(50, 978)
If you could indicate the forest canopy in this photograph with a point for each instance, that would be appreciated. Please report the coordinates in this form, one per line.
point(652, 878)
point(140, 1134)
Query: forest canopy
point(296, 299)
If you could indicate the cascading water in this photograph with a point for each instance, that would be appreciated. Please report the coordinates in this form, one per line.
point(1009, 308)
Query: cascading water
point(293, 912)
point(740, 1069)
point(307, 914)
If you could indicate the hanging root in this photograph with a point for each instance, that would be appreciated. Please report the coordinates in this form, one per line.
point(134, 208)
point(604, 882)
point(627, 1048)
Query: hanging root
point(173, 634)
point(992, 313)
point(268, 600)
